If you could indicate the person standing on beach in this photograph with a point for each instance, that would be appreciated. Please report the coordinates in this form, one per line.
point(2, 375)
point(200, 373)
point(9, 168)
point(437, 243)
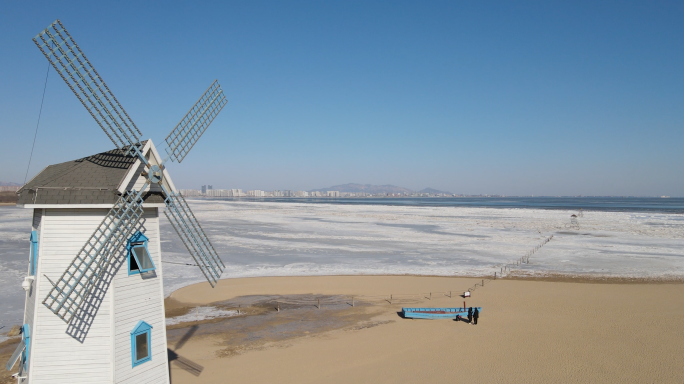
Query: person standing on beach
point(470, 315)
point(476, 314)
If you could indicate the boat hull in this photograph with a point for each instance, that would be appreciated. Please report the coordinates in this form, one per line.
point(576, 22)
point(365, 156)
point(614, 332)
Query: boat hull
point(436, 313)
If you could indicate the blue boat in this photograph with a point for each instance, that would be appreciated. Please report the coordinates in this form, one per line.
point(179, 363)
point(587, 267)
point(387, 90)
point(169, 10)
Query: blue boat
point(436, 313)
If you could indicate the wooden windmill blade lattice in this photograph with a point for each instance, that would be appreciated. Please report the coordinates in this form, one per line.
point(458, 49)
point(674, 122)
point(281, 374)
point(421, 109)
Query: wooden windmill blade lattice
point(75, 69)
point(181, 139)
point(87, 269)
point(195, 240)
point(191, 127)
point(72, 289)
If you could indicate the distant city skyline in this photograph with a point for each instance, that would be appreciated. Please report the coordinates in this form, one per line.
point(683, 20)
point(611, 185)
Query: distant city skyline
point(336, 191)
point(209, 191)
point(346, 190)
point(508, 98)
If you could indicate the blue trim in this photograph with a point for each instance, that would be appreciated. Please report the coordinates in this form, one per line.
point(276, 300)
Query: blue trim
point(141, 326)
point(33, 258)
point(140, 329)
point(26, 336)
point(138, 237)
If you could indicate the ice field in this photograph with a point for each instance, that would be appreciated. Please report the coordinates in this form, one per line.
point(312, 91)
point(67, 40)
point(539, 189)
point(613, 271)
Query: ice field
point(280, 239)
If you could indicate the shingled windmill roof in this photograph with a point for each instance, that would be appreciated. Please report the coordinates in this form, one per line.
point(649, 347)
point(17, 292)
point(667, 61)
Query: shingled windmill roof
point(91, 180)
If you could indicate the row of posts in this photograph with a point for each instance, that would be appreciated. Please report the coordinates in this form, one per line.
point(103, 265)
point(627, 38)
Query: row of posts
point(525, 259)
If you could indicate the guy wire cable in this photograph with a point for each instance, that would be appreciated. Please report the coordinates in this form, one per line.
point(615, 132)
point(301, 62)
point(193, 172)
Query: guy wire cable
point(38, 123)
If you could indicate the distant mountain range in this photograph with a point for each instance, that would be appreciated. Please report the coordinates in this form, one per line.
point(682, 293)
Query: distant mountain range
point(366, 188)
point(9, 184)
point(373, 189)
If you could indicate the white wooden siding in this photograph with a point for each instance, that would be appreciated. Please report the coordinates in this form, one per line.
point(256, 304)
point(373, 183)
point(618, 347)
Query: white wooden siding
point(105, 353)
point(138, 181)
point(141, 299)
point(56, 357)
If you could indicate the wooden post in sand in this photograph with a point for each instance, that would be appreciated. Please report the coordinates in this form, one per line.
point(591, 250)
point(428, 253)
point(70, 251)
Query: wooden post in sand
point(450, 294)
point(278, 304)
point(430, 295)
point(238, 309)
point(483, 282)
point(319, 303)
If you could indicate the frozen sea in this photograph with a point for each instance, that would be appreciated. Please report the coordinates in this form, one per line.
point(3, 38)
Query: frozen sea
point(276, 238)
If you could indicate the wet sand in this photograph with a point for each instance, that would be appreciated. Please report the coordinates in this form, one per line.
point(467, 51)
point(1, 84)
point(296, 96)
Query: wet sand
point(529, 332)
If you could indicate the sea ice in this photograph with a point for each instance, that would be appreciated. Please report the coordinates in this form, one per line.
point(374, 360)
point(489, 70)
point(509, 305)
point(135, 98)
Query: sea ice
point(287, 239)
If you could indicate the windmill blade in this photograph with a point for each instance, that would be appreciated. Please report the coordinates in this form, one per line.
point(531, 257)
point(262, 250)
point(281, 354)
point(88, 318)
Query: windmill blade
point(196, 121)
point(72, 65)
point(72, 289)
point(195, 240)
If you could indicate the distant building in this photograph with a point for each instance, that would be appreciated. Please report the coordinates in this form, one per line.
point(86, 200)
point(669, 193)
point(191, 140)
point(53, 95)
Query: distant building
point(190, 192)
point(316, 194)
point(210, 192)
point(256, 193)
point(205, 188)
point(333, 193)
point(301, 194)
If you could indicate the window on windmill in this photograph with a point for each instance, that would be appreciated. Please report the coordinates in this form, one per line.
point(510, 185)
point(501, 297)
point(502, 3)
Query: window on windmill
point(141, 346)
point(142, 350)
point(139, 260)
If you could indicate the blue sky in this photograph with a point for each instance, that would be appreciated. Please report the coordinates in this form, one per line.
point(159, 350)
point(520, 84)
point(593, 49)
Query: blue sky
point(516, 98)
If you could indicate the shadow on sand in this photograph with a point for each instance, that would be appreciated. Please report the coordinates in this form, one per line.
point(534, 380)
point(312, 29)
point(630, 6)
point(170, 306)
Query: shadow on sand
point(180, 361)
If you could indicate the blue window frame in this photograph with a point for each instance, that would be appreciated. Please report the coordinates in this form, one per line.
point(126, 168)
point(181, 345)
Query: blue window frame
point(141, 343)
point(139, 260)
point(26, 337)
point(33, 258)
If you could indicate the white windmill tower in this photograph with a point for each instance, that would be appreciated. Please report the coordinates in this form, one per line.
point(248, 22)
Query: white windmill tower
point(99, 316)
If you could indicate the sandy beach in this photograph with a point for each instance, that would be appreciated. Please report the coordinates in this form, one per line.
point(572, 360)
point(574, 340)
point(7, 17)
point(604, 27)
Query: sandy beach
point(529, 332)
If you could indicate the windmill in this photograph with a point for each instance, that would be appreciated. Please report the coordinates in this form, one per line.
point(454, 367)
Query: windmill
point(99, 316)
